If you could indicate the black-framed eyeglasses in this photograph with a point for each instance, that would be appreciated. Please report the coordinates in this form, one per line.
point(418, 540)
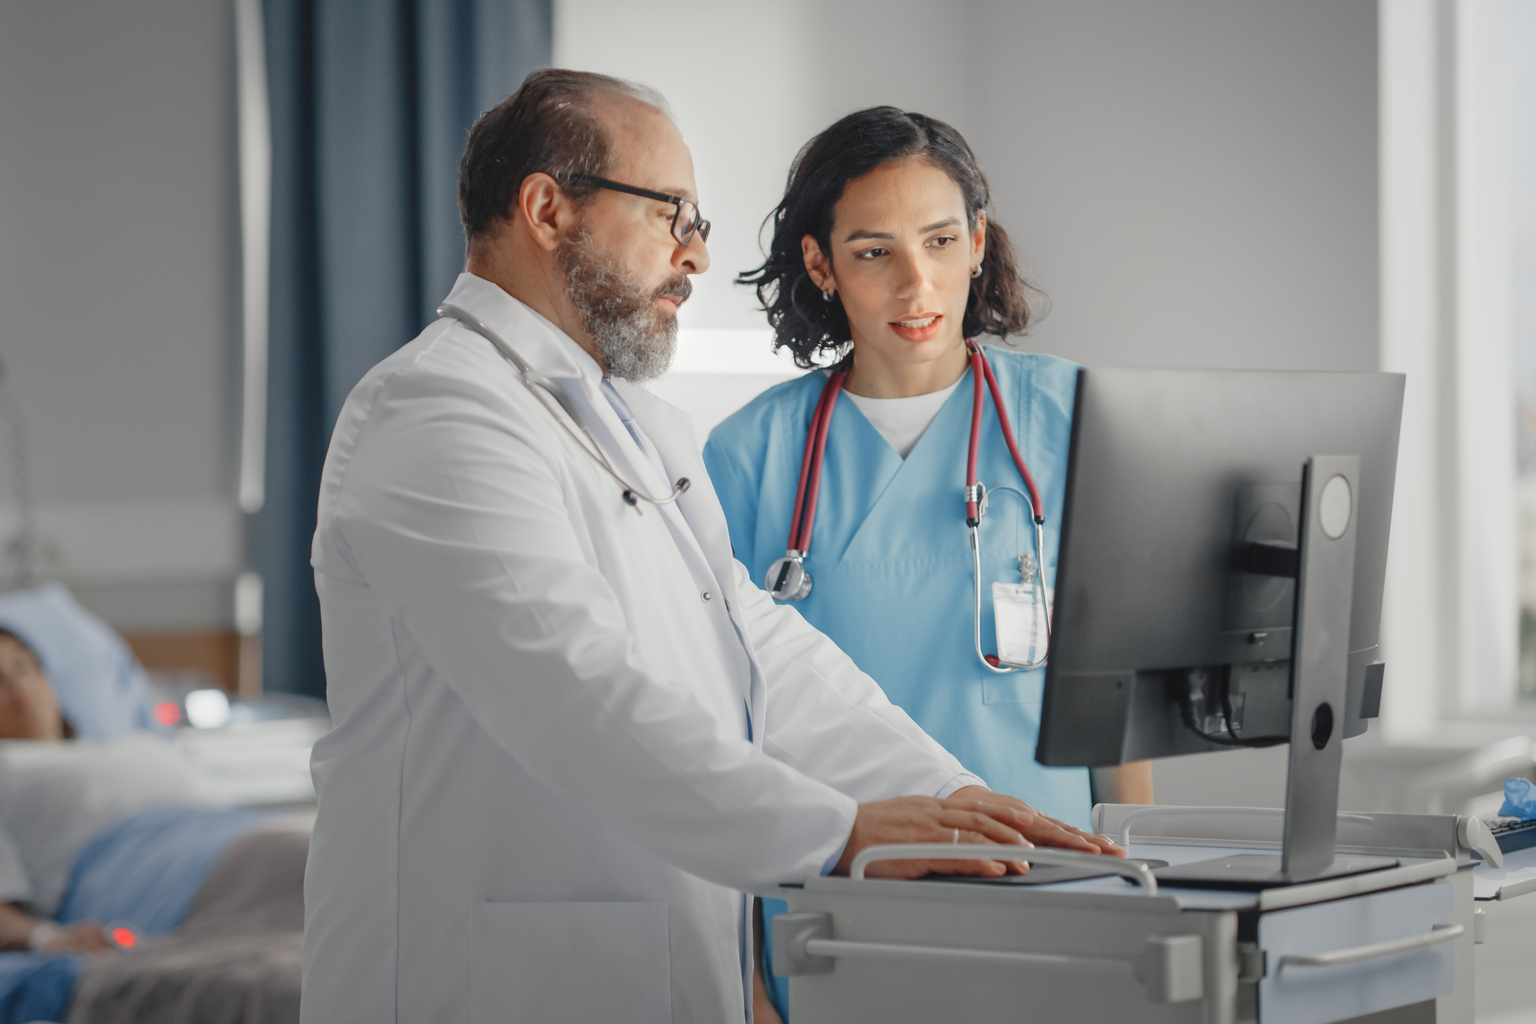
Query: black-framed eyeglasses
point(684, 222)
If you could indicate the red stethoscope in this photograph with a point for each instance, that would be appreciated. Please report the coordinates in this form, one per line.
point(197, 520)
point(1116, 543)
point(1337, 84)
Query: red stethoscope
point(787, 578)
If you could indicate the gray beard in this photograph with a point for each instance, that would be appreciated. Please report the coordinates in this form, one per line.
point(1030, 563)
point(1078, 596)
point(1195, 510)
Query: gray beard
point(636, 340)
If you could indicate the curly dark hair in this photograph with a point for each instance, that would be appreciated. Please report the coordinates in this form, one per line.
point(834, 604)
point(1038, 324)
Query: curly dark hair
point(851, 148)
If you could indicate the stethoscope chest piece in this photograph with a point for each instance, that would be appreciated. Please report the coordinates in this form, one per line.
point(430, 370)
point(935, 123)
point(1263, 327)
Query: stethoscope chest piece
point(786, 579)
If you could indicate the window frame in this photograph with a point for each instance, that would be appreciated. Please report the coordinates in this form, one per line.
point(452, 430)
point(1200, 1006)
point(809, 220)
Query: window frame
point(1451, 610)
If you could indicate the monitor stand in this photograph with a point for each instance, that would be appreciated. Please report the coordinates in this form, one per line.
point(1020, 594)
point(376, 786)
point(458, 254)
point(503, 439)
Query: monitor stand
point(1325, 579)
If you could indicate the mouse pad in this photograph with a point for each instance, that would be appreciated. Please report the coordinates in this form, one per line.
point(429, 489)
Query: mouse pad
point(1043, 874)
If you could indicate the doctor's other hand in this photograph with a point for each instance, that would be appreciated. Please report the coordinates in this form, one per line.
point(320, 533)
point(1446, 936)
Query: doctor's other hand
point(926, 819)
point(1041, 829)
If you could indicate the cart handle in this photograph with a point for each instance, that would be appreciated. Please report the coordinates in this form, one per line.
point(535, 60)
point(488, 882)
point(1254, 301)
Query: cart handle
point(1219, 814)
point(1136, 871)
point(1376, 950)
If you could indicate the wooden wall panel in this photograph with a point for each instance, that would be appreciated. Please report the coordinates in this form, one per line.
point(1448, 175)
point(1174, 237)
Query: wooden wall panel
point(214, 653)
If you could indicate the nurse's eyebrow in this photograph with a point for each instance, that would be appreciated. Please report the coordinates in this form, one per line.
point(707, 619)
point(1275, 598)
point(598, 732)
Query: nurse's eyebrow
point(860, 235)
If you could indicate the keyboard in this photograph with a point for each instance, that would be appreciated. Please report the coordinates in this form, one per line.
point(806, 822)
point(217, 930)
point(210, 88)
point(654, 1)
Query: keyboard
point(1514, 835)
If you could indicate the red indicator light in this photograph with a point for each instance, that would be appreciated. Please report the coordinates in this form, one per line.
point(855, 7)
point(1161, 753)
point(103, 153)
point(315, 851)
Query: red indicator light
point(167, 713)
point(124, 937)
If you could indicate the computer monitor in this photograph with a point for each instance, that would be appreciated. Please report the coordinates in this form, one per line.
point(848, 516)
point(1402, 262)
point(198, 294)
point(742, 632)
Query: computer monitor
point(1207, 513)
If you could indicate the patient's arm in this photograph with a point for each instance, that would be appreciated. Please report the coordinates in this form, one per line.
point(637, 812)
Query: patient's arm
point(82, 937)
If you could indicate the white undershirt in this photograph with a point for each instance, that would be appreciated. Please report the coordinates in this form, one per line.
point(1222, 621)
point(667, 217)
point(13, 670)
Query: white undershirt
point(901, 421)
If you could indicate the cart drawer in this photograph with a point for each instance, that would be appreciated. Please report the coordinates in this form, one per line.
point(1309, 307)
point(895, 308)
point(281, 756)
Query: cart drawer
point(1333, 961)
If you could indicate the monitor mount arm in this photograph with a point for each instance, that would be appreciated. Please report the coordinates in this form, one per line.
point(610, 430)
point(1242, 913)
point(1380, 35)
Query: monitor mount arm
point(1325, 588)
point(1323, 564)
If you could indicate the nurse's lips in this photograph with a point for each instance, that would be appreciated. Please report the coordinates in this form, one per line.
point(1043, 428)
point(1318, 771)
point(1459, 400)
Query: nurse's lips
point(920, 327)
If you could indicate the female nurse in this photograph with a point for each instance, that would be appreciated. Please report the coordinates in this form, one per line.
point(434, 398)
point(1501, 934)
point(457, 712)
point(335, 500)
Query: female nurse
point(884, 264)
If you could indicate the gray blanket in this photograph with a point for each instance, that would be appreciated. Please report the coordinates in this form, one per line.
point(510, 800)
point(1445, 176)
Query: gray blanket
point(235, 960)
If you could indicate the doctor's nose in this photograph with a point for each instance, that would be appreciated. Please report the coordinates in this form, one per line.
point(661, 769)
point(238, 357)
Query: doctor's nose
point(692, 258)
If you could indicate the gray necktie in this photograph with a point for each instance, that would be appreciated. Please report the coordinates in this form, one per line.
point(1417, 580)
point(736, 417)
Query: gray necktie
point(628, 419)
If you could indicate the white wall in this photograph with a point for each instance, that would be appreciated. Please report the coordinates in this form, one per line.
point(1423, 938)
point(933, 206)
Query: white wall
point(118, 295)
point(1193, 181)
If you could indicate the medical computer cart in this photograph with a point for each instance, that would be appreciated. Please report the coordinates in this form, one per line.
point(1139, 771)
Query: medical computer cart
point(1395, 942)
point(1222, 554)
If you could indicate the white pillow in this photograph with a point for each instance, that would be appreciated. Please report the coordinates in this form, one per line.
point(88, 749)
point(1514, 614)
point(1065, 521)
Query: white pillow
point(101, 687)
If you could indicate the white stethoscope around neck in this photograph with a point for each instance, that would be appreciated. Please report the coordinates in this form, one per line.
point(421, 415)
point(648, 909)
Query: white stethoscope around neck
point(787, 578)
point(546, 389)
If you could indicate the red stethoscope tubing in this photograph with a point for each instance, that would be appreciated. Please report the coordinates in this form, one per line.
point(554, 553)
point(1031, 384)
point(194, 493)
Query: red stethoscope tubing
point(981, 368)
point(816, 445)
point(809, 489)
point(810, 464)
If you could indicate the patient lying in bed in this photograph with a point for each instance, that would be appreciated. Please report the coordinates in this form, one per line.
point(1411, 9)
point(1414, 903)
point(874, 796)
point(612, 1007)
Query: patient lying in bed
point(94, 833)
point(55, 797)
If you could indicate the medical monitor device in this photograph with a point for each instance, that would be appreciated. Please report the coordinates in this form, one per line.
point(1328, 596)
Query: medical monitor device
point(1219, 582)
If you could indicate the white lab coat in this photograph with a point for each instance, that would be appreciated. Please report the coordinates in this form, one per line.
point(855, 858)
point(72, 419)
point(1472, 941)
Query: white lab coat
point(568, 734)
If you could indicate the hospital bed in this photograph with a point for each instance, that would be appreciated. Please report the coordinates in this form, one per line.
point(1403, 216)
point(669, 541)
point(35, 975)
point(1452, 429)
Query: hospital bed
point(210, 899)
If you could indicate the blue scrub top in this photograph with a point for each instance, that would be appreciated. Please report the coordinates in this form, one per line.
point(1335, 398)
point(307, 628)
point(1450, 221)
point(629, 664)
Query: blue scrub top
point(890, 560)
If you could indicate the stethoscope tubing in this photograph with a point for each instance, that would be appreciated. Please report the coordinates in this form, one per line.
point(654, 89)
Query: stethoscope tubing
point(992, 663)
point(981, 368)
point(537, 383)
point(809, 487)
point(810, 469)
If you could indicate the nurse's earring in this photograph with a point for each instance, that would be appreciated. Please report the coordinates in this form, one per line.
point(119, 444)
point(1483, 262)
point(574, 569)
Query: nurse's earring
point(826, 294)
point(976, 271)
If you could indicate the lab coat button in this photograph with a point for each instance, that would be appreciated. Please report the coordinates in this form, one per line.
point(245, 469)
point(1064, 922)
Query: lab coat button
point(705, 595)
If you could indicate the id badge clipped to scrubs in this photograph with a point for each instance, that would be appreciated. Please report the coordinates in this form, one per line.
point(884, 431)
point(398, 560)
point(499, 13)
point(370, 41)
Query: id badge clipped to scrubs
point(1018, 615)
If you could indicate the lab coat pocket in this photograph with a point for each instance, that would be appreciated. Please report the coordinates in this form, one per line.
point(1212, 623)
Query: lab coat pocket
point(570, 963)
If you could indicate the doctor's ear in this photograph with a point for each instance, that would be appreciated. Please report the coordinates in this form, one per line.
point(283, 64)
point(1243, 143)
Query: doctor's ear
point(816, 264)
point(545, 210)
point(979, 240)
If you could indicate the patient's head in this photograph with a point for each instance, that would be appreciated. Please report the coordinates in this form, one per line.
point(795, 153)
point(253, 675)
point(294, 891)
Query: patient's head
point(28, 708)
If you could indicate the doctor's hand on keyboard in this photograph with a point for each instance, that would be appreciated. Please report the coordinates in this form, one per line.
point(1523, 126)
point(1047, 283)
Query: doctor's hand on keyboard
point(971, 815)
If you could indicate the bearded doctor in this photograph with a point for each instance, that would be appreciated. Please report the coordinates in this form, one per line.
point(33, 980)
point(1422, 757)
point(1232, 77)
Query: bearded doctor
point(570, 732)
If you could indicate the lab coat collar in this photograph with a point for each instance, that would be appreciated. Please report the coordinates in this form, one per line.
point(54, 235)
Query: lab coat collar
point(556, 356)
point(696, 515)
point(547, 349)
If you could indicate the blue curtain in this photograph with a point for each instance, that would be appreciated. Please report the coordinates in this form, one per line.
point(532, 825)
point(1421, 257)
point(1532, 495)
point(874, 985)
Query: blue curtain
point(371, 103)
